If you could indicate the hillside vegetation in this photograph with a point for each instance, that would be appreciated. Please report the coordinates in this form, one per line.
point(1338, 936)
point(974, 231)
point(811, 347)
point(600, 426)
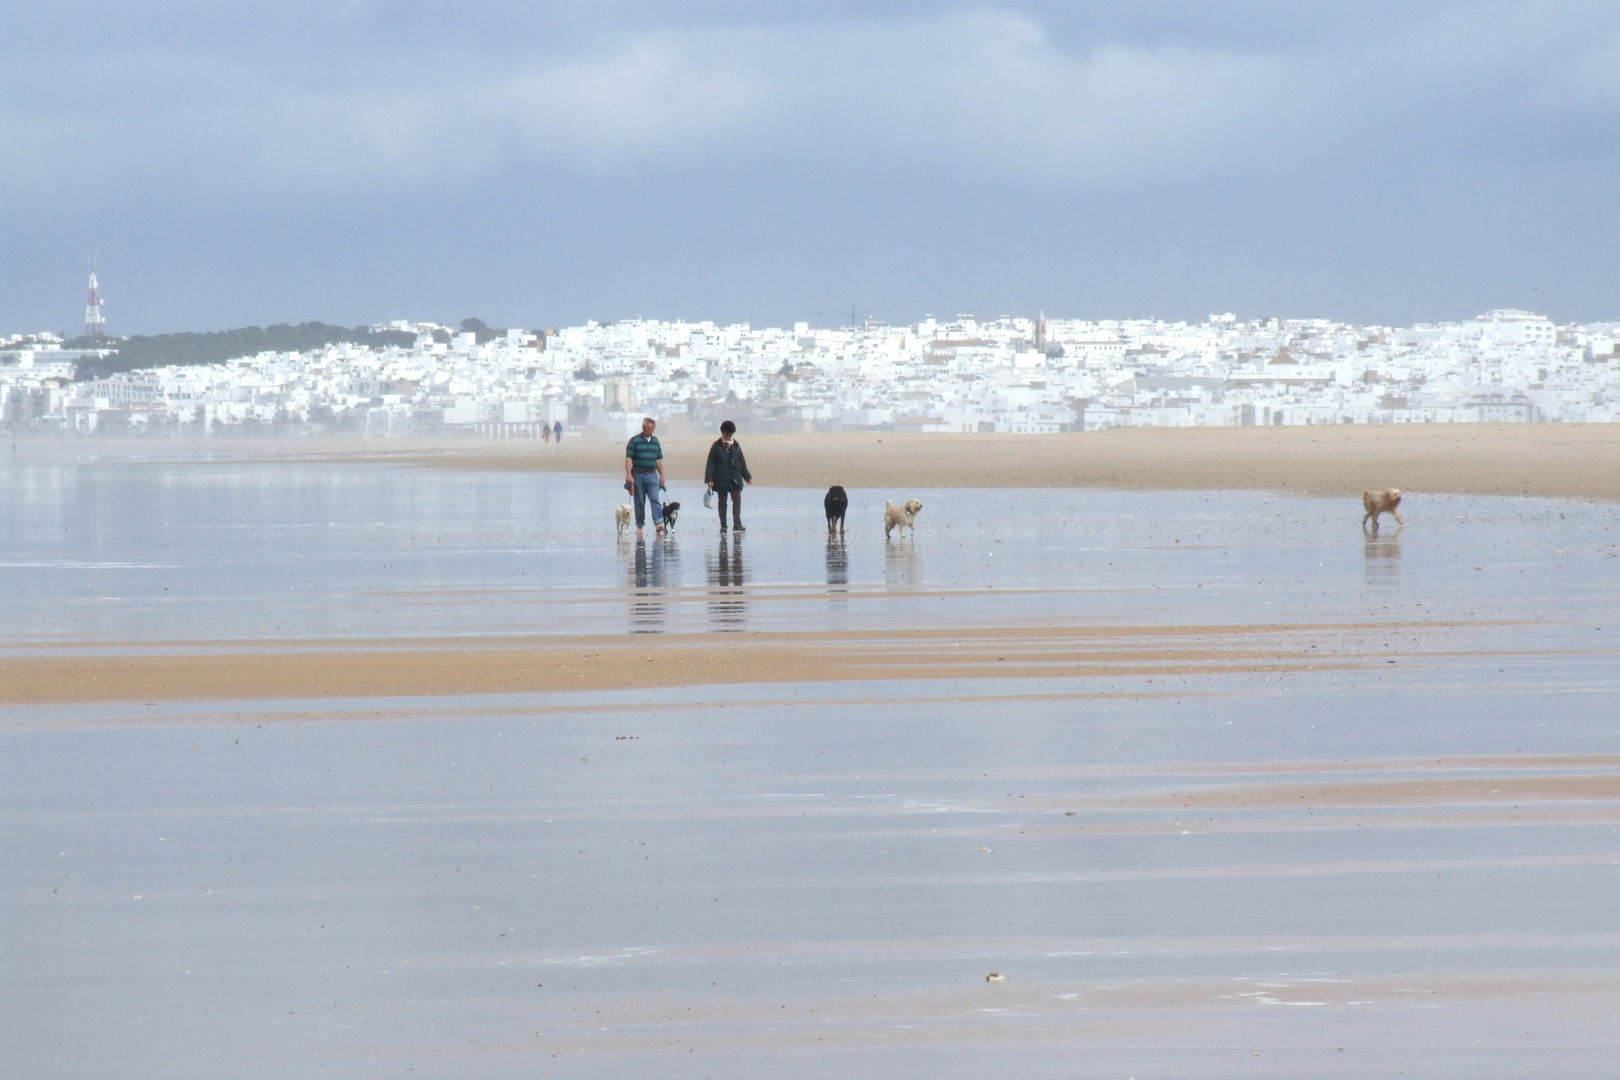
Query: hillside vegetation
point(212, 347)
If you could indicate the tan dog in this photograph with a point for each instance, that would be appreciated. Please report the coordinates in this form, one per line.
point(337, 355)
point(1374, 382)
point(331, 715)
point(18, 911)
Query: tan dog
point(1378, 502)
point(903, 516)
point(622, 515)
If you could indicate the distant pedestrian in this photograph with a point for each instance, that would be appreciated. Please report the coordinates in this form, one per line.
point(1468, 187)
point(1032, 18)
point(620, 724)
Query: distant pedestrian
point(545, 433)
point(644, 474)
point(726, 473)
point(557, 432)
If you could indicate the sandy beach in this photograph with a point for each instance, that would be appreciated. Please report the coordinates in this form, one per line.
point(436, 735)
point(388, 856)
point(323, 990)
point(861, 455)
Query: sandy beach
point(1558, 460)
point(1482, 459)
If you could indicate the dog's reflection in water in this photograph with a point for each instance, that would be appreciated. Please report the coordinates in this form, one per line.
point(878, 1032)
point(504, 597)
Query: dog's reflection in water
point(1382, 557)
point(649, 578)
point(837, 573)
point(901, 567)
point(837, 563)
point(727, 608)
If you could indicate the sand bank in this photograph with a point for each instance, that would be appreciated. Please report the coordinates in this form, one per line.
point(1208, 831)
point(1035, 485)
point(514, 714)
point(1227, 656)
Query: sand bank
point(1483, 459)
point(448, 668)
point(1558, 460)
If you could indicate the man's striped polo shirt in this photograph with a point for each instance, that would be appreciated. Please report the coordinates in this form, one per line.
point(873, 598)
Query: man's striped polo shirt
point(644, 453)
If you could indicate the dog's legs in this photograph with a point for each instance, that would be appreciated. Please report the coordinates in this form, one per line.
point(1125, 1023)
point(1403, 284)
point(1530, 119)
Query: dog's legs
point(1398, 519)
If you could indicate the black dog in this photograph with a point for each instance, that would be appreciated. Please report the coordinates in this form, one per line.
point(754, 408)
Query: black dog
point(836, 504)
point(670, 510)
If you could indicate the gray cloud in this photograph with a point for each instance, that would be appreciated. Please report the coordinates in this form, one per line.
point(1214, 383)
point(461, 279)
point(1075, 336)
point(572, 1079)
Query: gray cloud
point(185, 108)
point(988, 89)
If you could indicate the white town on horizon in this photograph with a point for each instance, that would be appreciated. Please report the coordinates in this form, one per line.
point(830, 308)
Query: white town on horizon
point(1006, 374)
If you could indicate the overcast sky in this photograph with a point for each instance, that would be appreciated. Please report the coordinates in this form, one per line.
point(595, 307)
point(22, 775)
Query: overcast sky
point(535, 164)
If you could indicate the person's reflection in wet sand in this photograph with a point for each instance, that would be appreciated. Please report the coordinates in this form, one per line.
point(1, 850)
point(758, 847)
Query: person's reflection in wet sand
point(727, 609)
point(1382, 557)
point(649, 581)
point(901, 570)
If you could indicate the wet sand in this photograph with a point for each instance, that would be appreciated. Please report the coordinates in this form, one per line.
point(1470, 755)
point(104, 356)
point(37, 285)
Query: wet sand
point(1554, 460)
point(422, 771)
point(819, 886)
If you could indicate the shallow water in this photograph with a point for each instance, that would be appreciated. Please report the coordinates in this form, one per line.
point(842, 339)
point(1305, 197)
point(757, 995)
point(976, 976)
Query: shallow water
point(200, 552)
point(1382, 868)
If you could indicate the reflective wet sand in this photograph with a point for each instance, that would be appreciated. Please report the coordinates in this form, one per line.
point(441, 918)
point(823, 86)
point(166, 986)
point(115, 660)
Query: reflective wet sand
point(1220, 785)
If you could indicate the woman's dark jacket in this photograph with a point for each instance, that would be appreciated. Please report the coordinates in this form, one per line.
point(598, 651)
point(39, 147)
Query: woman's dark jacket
point(727, 468)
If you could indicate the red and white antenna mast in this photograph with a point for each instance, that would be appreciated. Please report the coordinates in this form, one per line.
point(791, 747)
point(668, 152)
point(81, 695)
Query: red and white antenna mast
point(94, 324)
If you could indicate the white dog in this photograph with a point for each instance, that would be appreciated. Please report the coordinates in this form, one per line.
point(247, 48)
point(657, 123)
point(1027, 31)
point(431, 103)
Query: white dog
point(903, 516)
point(622, 515)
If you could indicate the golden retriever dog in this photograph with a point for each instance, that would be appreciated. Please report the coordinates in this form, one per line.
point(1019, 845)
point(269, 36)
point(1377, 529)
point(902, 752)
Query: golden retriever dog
point(903, 516)
point(622, 515)
point(1379, 502)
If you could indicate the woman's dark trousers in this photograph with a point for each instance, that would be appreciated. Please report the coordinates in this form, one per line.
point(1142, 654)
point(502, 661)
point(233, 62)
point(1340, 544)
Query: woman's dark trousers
point(736, 506)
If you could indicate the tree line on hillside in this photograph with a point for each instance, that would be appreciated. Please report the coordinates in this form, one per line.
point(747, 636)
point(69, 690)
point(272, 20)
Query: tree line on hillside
point(158, 350)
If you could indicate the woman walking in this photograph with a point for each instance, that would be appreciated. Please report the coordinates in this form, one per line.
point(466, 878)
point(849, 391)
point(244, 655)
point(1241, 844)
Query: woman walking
point(726, 473)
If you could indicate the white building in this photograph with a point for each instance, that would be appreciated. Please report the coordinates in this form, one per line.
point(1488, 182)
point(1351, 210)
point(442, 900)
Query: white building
point(964, 374)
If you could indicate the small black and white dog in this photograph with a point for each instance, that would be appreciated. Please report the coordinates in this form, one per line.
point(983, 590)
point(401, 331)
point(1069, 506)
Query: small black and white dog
point(670, 510)
point(836, 504)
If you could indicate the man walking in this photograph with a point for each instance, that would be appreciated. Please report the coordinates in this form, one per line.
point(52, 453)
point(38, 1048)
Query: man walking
point(726, 473)
point(644, 474)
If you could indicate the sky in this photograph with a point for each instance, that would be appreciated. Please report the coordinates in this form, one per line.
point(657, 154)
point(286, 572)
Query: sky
point(236, 162)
